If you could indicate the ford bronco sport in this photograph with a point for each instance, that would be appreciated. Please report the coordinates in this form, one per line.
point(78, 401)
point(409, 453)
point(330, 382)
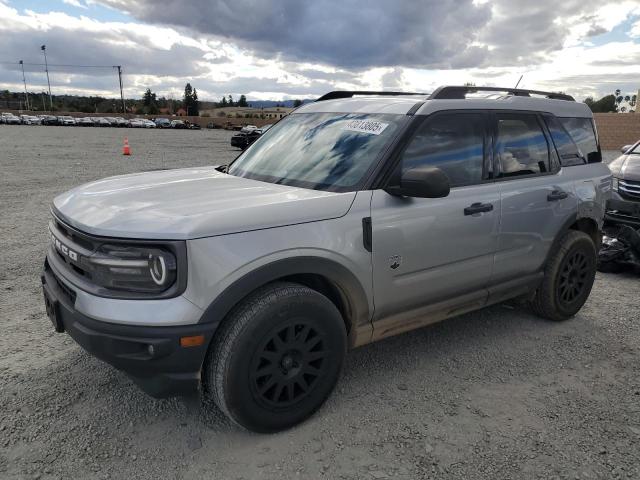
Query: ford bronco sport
point(357, 217)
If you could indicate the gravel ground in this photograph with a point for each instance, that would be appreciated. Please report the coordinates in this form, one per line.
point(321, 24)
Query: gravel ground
point(493, 394)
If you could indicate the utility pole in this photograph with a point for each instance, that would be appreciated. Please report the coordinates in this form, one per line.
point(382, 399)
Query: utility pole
point(119, 67)
point(26, 95)
point(46, 69)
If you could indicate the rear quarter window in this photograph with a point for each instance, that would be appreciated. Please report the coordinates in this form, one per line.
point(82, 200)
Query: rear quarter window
point(584, 135)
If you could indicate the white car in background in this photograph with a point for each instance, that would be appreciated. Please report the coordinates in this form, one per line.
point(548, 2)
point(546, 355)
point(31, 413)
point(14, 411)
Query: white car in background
point(66, 120)
point(10, 119)
point(137, 123)
point(148, 123)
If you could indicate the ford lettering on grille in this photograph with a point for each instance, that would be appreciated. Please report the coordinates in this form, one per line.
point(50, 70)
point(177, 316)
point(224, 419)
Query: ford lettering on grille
point(63, 249)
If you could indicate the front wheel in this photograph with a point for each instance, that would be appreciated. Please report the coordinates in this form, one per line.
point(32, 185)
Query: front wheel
point(568, 278)
point(276, 358)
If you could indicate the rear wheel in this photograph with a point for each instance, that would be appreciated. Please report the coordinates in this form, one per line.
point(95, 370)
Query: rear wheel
point(568, 278)
point(276, 358)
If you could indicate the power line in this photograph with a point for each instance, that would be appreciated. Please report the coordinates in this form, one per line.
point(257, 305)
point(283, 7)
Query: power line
point(60, 65)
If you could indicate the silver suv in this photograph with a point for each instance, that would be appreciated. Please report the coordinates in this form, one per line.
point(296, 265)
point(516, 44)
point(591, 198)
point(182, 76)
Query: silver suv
point(359, 216)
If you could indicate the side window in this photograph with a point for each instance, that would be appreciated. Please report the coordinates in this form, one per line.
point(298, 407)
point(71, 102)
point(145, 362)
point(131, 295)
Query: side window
point(583, 133)
point(567, 149)
point(453, 142)
point(521, 147)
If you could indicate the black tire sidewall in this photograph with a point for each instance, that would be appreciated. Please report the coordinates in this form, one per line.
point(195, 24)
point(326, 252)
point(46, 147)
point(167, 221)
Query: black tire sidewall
point(585, 245)
point(239, 393)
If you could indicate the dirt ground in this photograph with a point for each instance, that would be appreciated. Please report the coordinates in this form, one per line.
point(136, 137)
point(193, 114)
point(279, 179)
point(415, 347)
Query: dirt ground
point(496, 394)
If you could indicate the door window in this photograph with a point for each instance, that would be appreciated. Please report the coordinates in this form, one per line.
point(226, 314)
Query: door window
point(521, 146)
point(453, 142)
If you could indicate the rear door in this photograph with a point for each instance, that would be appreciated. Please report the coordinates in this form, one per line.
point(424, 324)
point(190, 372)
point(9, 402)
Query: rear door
point(427, 251)
point(536, 196)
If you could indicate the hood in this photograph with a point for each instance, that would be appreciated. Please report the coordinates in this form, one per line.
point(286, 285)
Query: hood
point(191, 203)
point(626, 167)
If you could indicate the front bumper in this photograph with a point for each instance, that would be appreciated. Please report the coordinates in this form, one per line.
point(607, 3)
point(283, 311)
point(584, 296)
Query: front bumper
point(622, 211)
point(151, 356)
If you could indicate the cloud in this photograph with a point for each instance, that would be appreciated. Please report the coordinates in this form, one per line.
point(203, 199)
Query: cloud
point(345, 33)
point(75, 3)
point(294, 49)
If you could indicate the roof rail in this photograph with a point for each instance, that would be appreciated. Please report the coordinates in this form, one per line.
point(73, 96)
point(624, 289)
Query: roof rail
point(350, 93)
point(459, 92)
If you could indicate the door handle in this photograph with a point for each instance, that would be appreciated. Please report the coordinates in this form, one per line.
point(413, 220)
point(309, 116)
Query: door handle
point(557, 195)
point(478, 208)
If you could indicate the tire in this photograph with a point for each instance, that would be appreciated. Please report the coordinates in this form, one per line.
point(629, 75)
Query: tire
point(568, 278)
point(276, 357)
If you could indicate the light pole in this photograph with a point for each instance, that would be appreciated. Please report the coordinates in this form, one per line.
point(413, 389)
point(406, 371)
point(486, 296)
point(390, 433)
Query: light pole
point(46, 69)
point(26, 95)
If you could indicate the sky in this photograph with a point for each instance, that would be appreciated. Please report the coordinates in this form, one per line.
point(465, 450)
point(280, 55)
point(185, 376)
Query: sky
point(287, 49)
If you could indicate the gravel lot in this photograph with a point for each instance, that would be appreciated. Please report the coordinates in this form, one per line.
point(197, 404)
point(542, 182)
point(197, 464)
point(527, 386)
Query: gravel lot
point(494, 394)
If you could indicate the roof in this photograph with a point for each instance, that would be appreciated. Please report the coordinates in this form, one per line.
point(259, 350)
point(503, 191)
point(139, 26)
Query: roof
point(448, 98)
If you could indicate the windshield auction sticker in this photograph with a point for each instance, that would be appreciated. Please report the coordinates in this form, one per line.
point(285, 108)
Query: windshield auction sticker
point(366, 126)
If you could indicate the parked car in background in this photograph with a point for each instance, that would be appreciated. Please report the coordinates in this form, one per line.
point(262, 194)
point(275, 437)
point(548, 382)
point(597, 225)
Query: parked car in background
point(248, 128)
point(136, 123)
point(25, 119)
point(163, 123)
point(178, 124)
point(84, 122)
point(121, 122)
point(194, 126)
point(49, 120)
point(66, 120)
point(35, 120)
point(10, 119)
point(624, 205)
point(243, 139)
point(101, 122)
point(112, 121)
point(148, 123)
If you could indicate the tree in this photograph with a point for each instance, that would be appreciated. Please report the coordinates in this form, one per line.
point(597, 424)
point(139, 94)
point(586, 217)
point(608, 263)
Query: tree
point(223, 103)
point(605, 104)
point(243, 101)
point(231, 104)
point(297, 102)
point(148, 98)
point(190, 100)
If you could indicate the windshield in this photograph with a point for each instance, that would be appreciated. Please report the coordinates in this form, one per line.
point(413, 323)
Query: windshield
point(322, 151)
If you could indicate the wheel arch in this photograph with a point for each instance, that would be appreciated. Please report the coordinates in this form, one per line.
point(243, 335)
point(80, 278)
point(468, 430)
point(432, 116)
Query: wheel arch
point(328, 277)
point(587, 225)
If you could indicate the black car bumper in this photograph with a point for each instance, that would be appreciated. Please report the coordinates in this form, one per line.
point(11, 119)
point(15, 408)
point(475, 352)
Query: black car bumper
point(621, 211)
point(152, 356)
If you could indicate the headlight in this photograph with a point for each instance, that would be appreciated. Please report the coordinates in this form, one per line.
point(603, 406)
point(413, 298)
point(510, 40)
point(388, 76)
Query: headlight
point(614, 184)
point(132, 268)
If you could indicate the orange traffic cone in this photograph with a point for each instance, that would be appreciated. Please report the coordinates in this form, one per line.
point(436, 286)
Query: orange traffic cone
point(126, 150)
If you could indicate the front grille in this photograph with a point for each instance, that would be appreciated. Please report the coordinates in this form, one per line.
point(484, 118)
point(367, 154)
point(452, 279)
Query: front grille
point(629, 189)
point(71, 246)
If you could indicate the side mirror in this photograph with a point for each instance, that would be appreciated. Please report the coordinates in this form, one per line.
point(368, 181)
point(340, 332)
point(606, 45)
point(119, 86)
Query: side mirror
point(626, 148)
point(422, 182)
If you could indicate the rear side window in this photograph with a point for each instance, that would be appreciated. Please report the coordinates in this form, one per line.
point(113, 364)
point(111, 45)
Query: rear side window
point(567, 149)
point(521, 146)
point(583, 133)
point(453, 142)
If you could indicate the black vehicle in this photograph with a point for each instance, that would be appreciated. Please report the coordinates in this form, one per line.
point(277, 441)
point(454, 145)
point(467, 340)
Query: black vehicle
point(624, 205)
point(50, 120)
point(243, 139)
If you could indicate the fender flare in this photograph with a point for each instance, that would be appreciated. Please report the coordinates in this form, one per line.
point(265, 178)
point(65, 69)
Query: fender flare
point(337, 274)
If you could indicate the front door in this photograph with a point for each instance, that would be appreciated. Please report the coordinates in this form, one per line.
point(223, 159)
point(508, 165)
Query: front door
point(429, 252)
